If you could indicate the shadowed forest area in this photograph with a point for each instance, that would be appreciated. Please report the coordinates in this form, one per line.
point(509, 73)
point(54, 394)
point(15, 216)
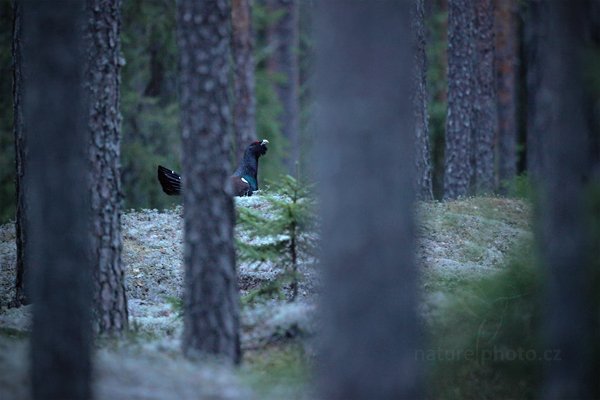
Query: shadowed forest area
point(299, 199)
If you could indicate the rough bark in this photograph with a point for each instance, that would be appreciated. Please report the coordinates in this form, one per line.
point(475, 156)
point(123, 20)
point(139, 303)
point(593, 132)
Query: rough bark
point(423, 155)
point(22, 277)
point(283, 63)
point(568, 324)
point(58, 207)
point(459, 121)
point(366, 114)
point(485, 109)
point(104, 123)
point(506, 81)
point(244, 110)
point(211, 299)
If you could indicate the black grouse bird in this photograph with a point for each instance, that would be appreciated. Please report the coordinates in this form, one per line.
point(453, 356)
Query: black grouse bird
point(244, 180)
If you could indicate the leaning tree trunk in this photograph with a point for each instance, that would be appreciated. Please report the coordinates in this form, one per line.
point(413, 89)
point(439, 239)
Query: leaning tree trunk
point(423, 157)
point(459, 121)
point(23, 270)
point(103, 83)
point(283, 40)
point(244, 110)
point(370, 331)
point(506, 82)
point(58, 227)
point(570, 304)
point(485, 111)
point(211, 309)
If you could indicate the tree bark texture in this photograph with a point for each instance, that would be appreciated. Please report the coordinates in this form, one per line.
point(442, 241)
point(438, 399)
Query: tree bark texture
point(459, 120)
point(569, 314)
point(244, 111)
point(485, 109)
point(366, 114)
point(422, 153)
point(58, 223)
point(283, 65)
point(103, 83)
point(211, 299)
point(23, 277)
point(506, 80)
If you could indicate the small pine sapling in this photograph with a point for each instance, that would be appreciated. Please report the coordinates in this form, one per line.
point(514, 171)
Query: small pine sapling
point(283, 234)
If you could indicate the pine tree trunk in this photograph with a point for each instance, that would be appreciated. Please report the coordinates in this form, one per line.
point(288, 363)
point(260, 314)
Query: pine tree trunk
point(283, 38)
point(423, 156)
point(536, 33)
point(460, 119)
point(23, 273)
point(244, 111)
point(366, 123)
point(154, 88)
point(58, 212)
point(506, 81)
point(211, 299)
point(103, 88)
point(570, 303)
point(485, 109)
point(439, 92)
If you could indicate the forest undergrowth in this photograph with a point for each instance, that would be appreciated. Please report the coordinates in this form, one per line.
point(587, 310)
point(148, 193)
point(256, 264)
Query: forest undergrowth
point(460, 243)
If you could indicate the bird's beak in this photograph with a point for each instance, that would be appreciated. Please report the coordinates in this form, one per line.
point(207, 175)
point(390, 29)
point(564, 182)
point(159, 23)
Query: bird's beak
point(265, 141)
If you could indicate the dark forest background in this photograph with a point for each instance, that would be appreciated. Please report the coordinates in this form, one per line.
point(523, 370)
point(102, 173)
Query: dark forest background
point(149, 107)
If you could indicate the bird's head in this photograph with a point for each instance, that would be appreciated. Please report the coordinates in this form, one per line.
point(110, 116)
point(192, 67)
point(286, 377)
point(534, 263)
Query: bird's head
point(258, 148)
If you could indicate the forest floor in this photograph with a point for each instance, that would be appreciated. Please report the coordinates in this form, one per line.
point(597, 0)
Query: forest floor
point(457, 240)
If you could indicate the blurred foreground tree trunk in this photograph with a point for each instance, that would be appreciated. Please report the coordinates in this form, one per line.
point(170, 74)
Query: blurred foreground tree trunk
point(283, 67)
point(211, 299)
point(103, 84)
point(244, 110)
point(56, 182)
point(461, 95)
point(570, 319)
point(423, 156)
point(506, 82)
point(23, 271)
point(366, 114)
point(485, 106)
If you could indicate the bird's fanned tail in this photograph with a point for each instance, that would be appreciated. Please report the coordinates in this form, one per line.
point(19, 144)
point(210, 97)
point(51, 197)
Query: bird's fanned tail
point(169, 180)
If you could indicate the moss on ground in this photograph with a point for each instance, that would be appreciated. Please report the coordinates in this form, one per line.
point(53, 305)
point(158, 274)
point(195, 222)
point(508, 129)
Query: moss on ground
point(278, 371)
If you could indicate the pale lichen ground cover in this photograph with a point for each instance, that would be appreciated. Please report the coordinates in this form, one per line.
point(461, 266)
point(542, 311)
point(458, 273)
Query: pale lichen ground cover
point(457, 240)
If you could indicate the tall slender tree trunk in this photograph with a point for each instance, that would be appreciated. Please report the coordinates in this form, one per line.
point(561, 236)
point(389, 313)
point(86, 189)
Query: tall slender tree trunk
point(423, 155)
point(103, 83)
point(283, 63)
point(211, 299)
point(536, 32)
point(244, 111)
point(569, 311)
point(460, 118)
point(506, 83)
point(485, 109)
point(370, 331)
point(22, 278)
point(58, 223)
point(439, 92)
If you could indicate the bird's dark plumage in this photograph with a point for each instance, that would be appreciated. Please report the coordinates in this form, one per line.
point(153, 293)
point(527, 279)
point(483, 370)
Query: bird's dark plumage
point(169, 180)
point(244, 180)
